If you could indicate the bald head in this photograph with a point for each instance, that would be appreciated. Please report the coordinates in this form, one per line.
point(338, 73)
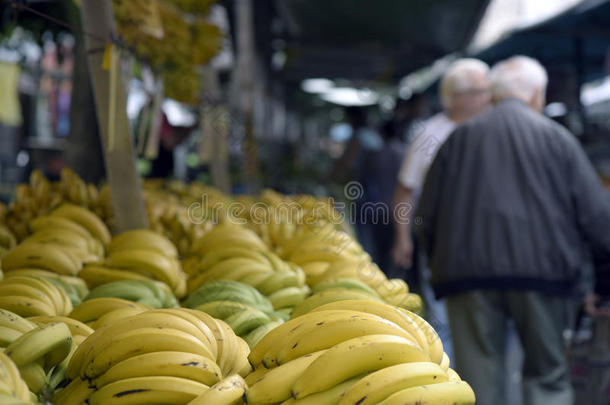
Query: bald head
point(464, 89)
point(519, 77)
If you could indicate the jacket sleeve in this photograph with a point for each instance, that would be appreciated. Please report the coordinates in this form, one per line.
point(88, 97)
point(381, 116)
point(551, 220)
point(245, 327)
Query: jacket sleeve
point(591, 204)
point(429, 202)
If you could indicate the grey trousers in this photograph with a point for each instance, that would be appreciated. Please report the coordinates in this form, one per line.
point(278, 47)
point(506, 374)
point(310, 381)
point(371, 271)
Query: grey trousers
point(478, 323)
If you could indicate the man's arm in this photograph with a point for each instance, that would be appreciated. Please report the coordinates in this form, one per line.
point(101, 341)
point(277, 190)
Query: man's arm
point(402, 210)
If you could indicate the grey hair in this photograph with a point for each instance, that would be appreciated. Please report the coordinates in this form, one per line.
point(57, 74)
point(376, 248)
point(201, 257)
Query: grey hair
point(517, 77)
point(459, 78)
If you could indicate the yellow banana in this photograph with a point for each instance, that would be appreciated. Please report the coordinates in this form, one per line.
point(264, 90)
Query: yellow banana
point(143, 239)
point(435, 345)
point(175, 364)
point(450, 392)
point(146, 262)
point(330, 295)
point(86, 219)
point(76, 392)
point(379, 385)
point(228, 252)
point(110, 318)
point(95, 274)
point(255, 375)
point(38, 255)
point(77, 328)
point(13, 378)
point(55, 222)
point(226, 392)
point(328, 397)
point(453, 376)
point(355, 356)
point(34, 376)
point(52, 342)
point(13, 321)
point(148, 390)
point(25, 306)
point(276, 384)
point(91, 310)
point(445, 362)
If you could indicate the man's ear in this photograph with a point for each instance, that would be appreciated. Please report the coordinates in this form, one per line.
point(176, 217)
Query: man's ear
point(538, 100)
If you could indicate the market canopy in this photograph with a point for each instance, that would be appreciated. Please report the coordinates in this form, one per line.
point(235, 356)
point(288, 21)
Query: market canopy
point(579, 36)
point(379, 40)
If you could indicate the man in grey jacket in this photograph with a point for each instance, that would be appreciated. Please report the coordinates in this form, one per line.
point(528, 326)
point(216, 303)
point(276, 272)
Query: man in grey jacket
point(510, 208)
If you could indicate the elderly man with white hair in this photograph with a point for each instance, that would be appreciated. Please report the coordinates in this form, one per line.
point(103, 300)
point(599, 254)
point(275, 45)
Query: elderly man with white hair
point(464, 91)
point(510, 208)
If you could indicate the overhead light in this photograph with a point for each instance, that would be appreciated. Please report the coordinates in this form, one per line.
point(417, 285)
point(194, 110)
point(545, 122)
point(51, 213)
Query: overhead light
point(349, 96)
point(316, 86)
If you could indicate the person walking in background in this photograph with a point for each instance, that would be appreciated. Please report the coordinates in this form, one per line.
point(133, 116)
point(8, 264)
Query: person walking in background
point(509, 210)
point(464, 92)
point(377, 173)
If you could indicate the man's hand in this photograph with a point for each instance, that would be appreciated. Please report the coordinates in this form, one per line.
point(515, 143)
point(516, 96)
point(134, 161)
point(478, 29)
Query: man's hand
point(402, 252)
point(592, 308)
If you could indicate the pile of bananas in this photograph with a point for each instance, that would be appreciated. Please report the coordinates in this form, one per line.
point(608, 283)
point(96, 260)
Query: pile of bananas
point(158, 356)
point(61, 242)
point(153, 293)
point(33, 296)
point(13, 390)
point(40, 352)
point(139, 254)
point(99, 312)
point(241, 306)
point(354, 352)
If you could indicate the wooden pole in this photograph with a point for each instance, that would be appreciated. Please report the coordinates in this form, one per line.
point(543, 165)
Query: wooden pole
point(124, 181)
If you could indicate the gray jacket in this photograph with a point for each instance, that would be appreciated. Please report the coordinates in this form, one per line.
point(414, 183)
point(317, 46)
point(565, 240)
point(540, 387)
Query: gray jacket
point(511, 202)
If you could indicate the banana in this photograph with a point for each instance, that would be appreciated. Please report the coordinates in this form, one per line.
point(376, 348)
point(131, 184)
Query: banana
point(329, 295)
point(276, 384)
point(328, 397)
point(13, 321)
point(230, 350)
point(277, 281)
point(175, 364)
point(60, 236)
point(385, 311)
point(34, 376)
point(8, 336)
point(76, 392)
point(257, 334)
point(347, 283)
point(8, 368)
point(288, 297)
point(246, 321)
point(52, 341)
point(55, 296)
point(23, 290)
point(230, 269)
point(77, 328)
point(11, 400)
point(119, 347)
point(450, 392)
point(254, 279)
point(435, 345)
point(379, 385)
point(222, 254)
point(86, 219)
point(393, 287)
point(226, 392)
point(241, 365)
point(453, 376)
point(255, 376)
point(222, 309)
point(110, 318)
point(445, 362)
point(95, 275)
point(228, 235)
point(355, 356)
point(56, 222)
point(143, 239)
point(91, 310)
point(132, 290)
point(146, 262)
point(327, 330)
point(25, 306)
point(148, 390)
point(38, 255)
point(197, 319)
point(229, 290)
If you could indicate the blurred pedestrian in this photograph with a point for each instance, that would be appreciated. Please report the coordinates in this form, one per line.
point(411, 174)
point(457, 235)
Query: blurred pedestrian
point(509, 210)
point(377, 171)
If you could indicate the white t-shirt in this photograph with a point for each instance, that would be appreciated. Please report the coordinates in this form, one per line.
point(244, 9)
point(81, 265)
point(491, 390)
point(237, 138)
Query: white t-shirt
point(427, 138)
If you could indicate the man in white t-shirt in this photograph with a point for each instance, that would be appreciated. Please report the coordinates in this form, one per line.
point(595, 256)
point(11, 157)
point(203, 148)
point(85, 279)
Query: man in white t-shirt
point(464, 92)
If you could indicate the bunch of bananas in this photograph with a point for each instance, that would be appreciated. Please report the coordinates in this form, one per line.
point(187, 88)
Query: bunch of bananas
point(40, 352)
point(74, 287)
point(138, 255)
point(13, 390)
point(61, 242)
point(354, 352)
point(33, 296)
point(158, 356)
point(7, 240)
point(241, 306)
point(153, 293)
point(98, 312)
